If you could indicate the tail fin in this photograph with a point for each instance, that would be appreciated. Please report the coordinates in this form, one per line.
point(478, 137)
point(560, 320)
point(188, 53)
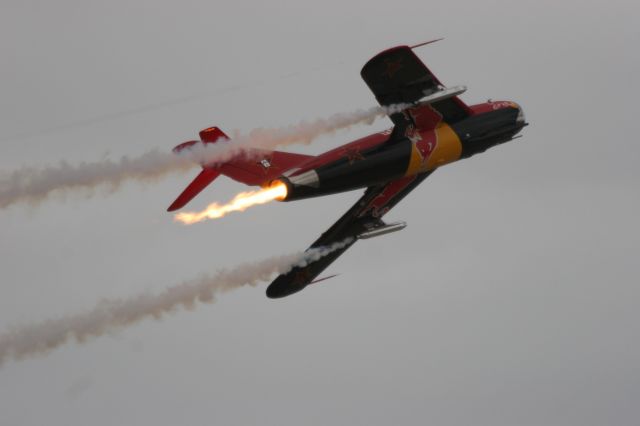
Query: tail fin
point(253, 167)
point(206, 176)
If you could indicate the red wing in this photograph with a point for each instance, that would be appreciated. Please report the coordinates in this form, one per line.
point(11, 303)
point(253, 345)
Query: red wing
point(366, 214)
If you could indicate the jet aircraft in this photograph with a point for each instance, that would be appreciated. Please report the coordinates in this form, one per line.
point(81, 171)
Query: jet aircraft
point(433, 128)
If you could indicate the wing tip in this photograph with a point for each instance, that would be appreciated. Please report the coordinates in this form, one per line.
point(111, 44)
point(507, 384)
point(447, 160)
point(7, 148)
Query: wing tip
point(289, 283)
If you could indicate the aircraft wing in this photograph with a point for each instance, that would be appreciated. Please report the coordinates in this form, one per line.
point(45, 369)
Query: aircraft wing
point(398, 76)
point(365, 215)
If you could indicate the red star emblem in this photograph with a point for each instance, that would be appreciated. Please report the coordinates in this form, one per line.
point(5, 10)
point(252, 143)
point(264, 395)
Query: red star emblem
point(353, 155)
point(392, 67)
point(301, 277)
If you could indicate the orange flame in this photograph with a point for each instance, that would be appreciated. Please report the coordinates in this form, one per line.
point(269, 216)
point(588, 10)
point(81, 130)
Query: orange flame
point(241, 202)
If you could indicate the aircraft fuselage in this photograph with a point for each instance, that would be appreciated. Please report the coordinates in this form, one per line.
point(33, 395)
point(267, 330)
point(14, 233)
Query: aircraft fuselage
point(375, 160)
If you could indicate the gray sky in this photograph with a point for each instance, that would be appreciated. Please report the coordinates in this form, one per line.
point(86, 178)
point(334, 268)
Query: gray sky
point(511, 298)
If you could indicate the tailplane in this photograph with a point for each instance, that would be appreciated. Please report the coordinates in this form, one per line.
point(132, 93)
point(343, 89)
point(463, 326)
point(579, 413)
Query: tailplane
point(201, 181)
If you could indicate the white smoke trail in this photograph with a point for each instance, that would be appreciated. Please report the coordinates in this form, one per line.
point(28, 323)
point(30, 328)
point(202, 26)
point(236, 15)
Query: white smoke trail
point(108, 315)
point(34, 185)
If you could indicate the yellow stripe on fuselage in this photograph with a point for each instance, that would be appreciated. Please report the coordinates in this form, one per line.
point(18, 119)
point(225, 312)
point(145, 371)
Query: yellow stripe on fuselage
point(416, 162)
point(447, 150)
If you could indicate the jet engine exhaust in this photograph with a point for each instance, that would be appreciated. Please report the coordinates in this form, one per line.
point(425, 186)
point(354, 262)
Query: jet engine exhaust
point(276, 191)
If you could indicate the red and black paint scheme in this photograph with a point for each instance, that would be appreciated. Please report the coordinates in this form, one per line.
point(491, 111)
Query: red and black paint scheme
point(435, 127)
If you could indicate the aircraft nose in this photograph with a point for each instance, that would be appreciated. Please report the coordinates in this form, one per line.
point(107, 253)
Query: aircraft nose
point(520, 118)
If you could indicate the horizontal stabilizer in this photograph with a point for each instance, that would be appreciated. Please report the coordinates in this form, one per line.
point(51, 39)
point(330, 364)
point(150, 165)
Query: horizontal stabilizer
point(201, 181)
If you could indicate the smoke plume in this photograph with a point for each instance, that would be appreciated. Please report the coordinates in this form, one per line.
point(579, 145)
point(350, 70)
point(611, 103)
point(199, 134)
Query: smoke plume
point(33, 184)
point(109, 315)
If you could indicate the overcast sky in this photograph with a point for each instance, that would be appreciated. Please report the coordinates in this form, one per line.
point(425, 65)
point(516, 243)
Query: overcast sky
point(510, 299)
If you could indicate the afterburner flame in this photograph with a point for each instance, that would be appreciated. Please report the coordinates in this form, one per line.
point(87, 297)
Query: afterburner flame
point(241, 202)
